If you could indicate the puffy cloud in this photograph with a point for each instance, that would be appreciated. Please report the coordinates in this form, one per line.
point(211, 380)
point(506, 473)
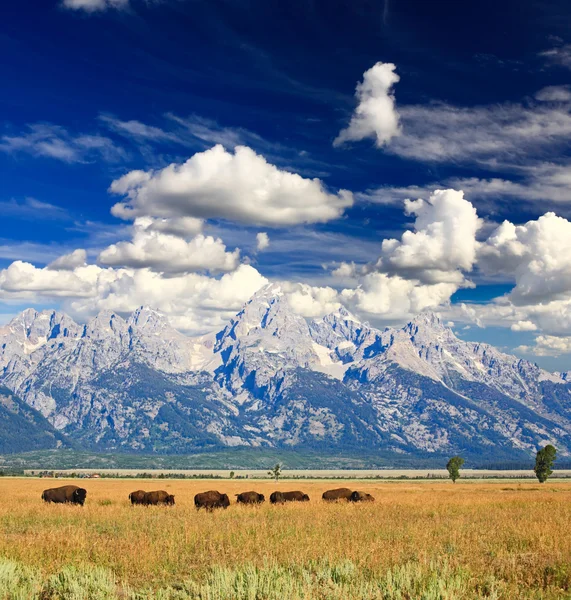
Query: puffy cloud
point(375, 115)
point(345, 270)
point(538, 256)
point(240, 186)
point(94, 5)
point(524, 326)
point(421, 270)
point(311, 301)
point(166, 253)
point(262, 241)
point(24, 280)
point(442, 245)
point(548, 345)
point(69, 262)
point(53, 141)
point(194, 302)
point(395, 298)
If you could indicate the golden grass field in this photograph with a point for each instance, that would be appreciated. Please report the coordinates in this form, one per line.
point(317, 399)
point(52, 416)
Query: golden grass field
point(504, 539)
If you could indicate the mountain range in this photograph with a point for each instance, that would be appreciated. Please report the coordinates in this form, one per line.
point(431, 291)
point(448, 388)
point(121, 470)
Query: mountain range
point(271, 378)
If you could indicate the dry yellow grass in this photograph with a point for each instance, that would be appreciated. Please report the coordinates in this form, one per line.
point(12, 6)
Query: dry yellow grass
point(515, 532)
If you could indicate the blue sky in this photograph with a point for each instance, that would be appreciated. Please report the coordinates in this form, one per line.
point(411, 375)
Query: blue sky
point(105, 101)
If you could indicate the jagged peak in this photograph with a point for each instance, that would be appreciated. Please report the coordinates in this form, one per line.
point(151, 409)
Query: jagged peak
point(427, 320)
point(344, 314)
point(270, 291)
point(145, 316)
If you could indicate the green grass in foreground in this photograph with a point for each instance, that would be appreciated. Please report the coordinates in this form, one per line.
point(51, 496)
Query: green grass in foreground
point(319, 581)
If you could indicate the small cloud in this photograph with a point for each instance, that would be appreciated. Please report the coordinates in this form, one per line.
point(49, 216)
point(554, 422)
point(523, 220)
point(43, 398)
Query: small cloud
point(559, 56)
point(92, 6)
point(554, 93)
point(262, 241)
point(375, 115)
point(523, 326)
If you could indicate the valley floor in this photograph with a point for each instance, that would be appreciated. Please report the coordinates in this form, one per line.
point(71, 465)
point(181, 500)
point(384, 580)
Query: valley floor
point(432, 540)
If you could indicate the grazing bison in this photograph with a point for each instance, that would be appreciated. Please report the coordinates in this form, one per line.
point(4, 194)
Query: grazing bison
point(137, 497)
point(279, 497)
point(211, 500)
point(361, 497)
point(66, 494)
point(338, 494)
point(250, 498)
point(158, 497)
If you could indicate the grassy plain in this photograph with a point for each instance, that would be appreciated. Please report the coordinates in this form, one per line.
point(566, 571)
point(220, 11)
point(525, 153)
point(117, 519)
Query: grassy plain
point(425, 540)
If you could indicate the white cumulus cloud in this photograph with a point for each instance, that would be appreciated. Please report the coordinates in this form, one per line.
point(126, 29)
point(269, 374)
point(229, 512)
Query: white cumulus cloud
point(441, 246)
point(240, 186)
point(537, 255)
point(166, 253)
point(69, 262)
point(194, 302)
point(262, 241)
point(376, 115)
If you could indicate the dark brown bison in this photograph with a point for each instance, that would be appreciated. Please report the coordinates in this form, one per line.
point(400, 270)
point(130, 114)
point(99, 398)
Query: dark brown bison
point(250, 498)
point(279, 497)
point(65, 494)
point(137, 497)
point(211, 500)
point(158, 497)
point(361, 497)
point(338, 494)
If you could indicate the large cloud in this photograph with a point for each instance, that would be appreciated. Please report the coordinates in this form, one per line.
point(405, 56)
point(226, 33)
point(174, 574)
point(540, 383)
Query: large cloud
point(375, 116)
point(442, 245)
point(424, 268)
point(394, 298)
point(240, 186)
point(537, 255)
point(195, 303)
point(167, 253)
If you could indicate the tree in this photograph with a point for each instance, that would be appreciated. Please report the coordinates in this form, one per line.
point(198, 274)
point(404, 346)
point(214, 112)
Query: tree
point(276, 472)
point(232, 474)
point(454, 465)
point(543, 463)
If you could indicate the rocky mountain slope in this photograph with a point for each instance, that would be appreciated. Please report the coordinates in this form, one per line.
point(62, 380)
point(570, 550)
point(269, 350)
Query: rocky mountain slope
point(270, 378)
point(22, 428)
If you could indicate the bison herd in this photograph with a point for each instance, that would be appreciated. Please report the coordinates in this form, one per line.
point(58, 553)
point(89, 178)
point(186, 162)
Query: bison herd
point(210, 500)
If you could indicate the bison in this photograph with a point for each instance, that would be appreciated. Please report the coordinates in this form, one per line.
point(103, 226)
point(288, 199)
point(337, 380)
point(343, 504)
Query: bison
point(250, 498)
point(277, 497)
point(66, 494)
point(338, 494)
point(280, 497)
point(137, 497)
point(361, 497)
point(158, 497)
point(211, 500)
